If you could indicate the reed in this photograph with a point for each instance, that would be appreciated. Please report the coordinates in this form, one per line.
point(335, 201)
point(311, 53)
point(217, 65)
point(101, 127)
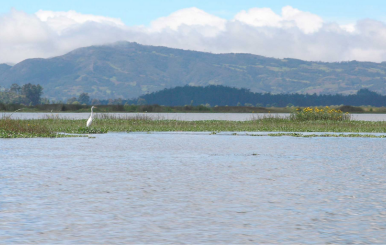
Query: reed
point(136, 117)
point(49, 126)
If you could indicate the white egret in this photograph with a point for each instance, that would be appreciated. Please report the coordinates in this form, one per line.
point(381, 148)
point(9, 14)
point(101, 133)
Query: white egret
point(89, 121)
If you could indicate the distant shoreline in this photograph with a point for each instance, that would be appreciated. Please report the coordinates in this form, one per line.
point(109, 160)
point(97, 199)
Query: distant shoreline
point(64, 108)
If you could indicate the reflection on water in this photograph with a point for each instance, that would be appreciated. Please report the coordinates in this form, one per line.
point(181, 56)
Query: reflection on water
point(183, 116)
point(192, 188)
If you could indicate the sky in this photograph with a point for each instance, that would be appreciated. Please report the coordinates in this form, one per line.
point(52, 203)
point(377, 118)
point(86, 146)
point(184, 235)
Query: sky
point(331, 31)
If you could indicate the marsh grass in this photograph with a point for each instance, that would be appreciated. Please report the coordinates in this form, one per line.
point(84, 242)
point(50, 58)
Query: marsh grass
point(10, 128)
point(53, 116)
point(8, 116)
point(267, 117)
point(137, 117)
point(262, 125)
point(49, 126)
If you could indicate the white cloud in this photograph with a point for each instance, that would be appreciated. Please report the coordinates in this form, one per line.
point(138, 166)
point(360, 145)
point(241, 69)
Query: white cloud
point(291, 17)
point(259, 17)
point(305, 21)
point(292, 33)
point(348, 27)
point(60, 21)
point(209, 25)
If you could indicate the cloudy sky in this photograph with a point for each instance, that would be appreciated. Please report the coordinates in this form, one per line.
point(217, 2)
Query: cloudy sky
point(328, 30)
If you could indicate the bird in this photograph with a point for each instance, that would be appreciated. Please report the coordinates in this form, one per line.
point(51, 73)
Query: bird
point(89, 121)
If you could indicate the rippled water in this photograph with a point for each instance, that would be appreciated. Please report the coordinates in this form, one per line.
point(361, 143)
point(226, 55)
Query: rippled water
point(184, 116)
point(192, 188)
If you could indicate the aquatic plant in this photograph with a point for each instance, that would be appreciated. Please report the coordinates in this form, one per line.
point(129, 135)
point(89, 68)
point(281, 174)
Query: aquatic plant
point(86, 130)
point(316, 114)
point(321, 135)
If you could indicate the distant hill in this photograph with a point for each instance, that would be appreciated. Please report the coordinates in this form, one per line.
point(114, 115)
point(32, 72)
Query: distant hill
point(128, 70)
point(222, 96)
point(4, 68)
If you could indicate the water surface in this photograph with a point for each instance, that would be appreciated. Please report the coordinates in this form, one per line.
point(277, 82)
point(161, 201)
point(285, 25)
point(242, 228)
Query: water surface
point(192, 188)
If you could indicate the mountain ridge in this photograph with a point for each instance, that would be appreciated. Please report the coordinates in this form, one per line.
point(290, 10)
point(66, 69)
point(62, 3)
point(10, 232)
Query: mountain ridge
point(129, 70)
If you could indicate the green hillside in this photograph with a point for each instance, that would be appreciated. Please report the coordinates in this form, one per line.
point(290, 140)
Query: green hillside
point(128, 70)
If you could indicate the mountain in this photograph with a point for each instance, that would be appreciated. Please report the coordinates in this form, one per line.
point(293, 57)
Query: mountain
point(4, 68)
point(128, 70)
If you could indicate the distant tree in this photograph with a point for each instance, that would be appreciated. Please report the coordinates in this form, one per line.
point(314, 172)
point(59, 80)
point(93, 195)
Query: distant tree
point(84, 98)
point(32, 92)
point(15, 88)
point(44, 101)
point(366, 92)
point(141, 101)
point(119, 101)
point(71, 100)
point(95, 102)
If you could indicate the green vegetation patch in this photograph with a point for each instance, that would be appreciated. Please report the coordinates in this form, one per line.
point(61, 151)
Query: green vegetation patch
point(103, 123)
point(321, 114)
point(323, 135)
point(27, 129)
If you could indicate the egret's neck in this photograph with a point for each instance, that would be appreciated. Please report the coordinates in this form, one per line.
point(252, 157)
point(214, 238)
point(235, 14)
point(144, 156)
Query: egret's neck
point(92, 111)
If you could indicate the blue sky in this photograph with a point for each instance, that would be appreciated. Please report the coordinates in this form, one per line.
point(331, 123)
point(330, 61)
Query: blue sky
point(142, 12)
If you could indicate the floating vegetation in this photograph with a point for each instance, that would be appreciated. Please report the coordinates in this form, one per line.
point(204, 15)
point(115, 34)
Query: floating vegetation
point(86, 130)
point(322, 135)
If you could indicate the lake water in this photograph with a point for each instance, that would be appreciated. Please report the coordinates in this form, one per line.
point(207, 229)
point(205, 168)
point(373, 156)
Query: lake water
point(183, 116)
point(194, 188)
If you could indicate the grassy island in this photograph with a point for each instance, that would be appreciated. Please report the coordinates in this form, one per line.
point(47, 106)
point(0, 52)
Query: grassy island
point(306, 120)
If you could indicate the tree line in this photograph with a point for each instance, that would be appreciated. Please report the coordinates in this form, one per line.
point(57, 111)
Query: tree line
point(214, 95)
point(227, 96)
point(28, 94)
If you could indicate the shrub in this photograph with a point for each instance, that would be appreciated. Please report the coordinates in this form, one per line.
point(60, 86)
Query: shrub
point(315, 114)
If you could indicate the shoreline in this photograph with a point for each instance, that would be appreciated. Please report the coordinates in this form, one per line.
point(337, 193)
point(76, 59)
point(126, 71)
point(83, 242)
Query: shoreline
point(66, 108)
point(51, 127)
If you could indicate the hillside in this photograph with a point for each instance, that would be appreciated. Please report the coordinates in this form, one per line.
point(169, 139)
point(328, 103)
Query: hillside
point(226, 96)
point(128, 70)
point(4, 68)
